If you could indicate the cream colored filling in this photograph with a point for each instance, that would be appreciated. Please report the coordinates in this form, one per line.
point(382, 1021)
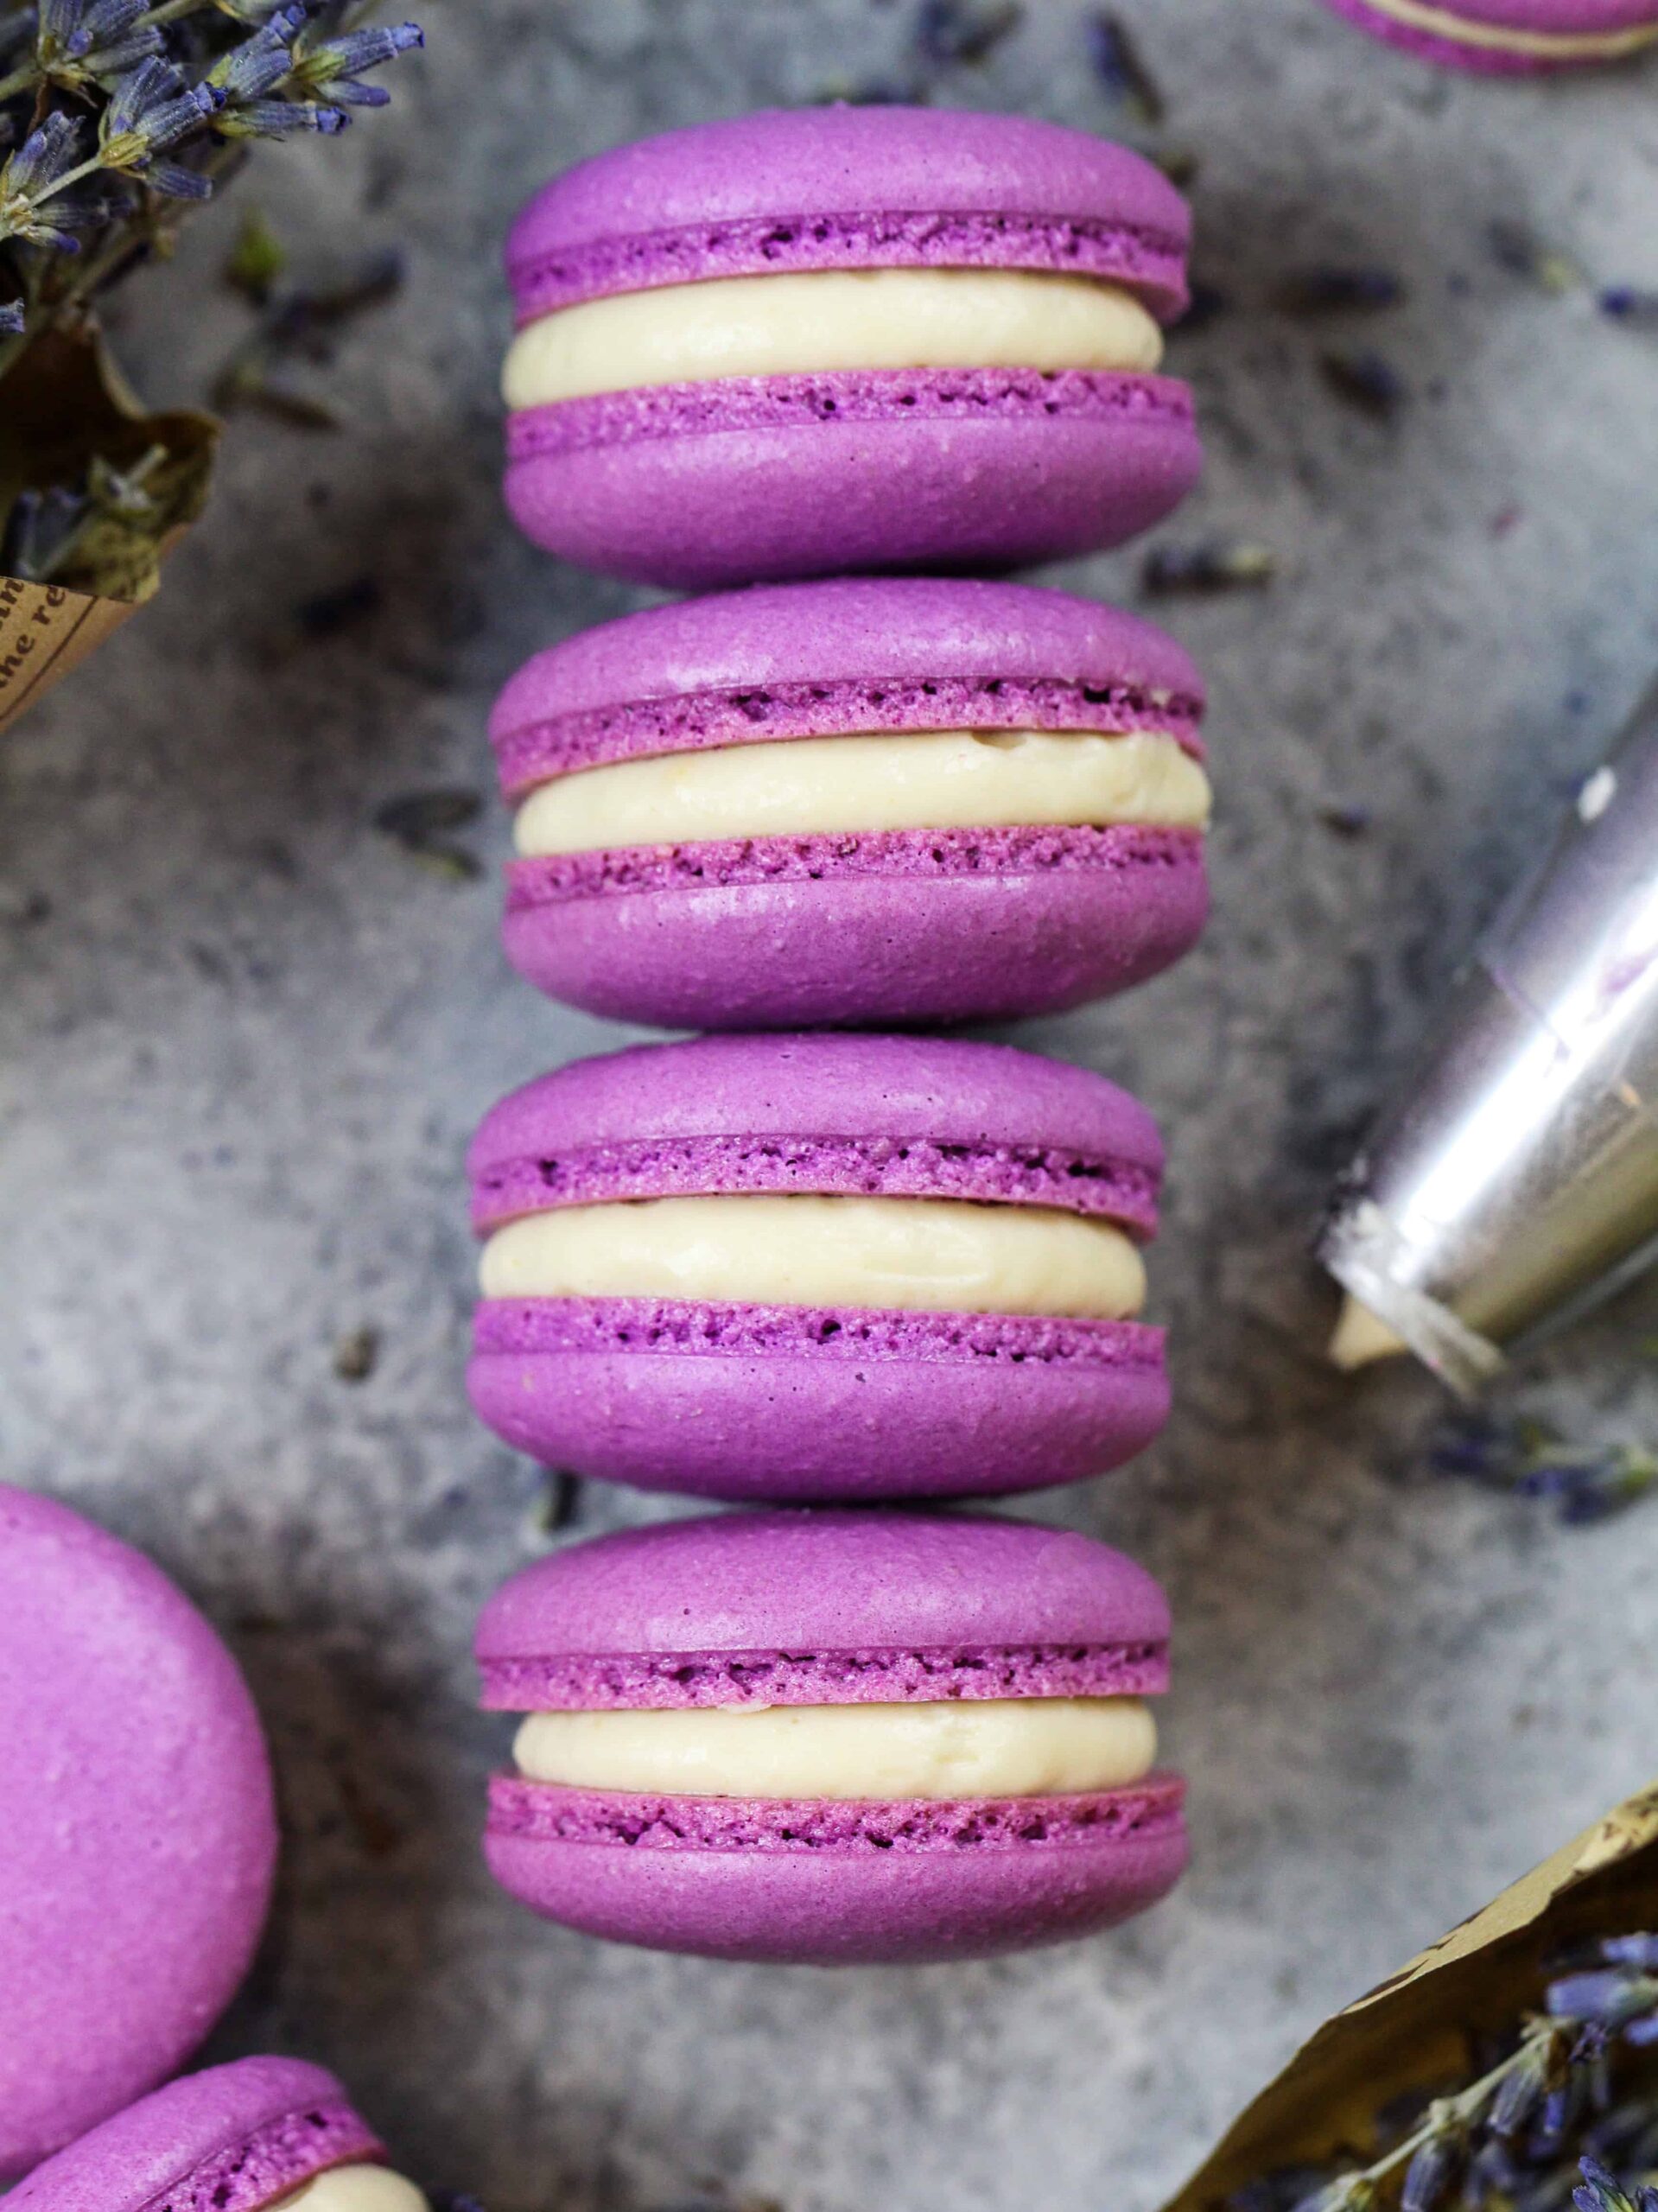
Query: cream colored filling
point(929, 779)
point(1003, 1747)
point(355, 2189)
point(934, 1256)
point(1554, 46)
point(1361, 1336)
point(825, 319)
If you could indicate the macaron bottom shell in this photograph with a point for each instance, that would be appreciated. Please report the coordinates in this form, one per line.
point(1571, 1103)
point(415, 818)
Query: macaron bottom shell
point(693, 487)
point(793, 1405)
point(1411, 31)
point(899, 930)
point(841, 1884)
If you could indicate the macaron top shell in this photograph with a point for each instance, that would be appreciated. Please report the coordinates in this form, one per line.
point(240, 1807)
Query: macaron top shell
point(828, 1607)
point(822, 1113)
point(146, 2156)
point(867, 654)
point(138, 1828)
point(862, 187)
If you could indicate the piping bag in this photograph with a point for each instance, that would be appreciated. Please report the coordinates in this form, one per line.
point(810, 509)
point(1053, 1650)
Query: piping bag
point(1514, 1181)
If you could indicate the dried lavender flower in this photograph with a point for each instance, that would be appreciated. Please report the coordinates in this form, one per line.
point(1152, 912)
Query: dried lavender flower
point(1205, 303)
point(1631, 305)
point(331, 70)
point(82, 42)
point(1120, 68)
point(1516, 248)
point(356, 1354)
point(951, 31)
point(1366, 382)
point(1327, 289)
point(254, 67)
point(1541, 2067)
point(46, 164)
point(560, 1500)
point(1527, 1459)
point(149, 111)
point(418, 823)
point(1436, 2164)
point(1218, 565)
point(257, 261)
point(1600, 2191)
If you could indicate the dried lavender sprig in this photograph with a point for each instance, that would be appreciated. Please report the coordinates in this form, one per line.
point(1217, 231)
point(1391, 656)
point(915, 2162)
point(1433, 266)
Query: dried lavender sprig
point(49, 528)
point(1527, 1459)
point(1558, 2059)
point(246, 92)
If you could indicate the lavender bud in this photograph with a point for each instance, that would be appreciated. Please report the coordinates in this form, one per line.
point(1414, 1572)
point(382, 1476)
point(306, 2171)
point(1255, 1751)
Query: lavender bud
point(177, 183)
point(1601, 2192)
point(1431, 2173)
point(1638, 1951)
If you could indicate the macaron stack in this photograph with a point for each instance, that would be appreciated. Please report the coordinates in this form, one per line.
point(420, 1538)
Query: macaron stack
point(828, 367)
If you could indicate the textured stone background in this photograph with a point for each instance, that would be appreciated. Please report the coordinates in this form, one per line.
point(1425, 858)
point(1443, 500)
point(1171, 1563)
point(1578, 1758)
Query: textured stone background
point(246, 1036)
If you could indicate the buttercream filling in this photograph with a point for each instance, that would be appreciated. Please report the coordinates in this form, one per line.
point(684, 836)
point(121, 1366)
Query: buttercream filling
point(1504, 38)
point(936, 1256)
point(353, 2188)
point(822, 321)
point(929, 779)
point(1004, 1747)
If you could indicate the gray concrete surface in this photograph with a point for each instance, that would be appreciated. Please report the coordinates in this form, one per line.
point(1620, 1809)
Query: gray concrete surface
point(245, 1038)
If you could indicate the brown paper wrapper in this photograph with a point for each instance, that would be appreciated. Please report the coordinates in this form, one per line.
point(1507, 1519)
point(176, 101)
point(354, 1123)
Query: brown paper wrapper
point(66, 404)
point(45, 631)
point(1417, 2031)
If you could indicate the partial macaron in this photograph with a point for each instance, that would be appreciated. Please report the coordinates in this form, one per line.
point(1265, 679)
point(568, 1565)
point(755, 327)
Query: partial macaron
point(795, 343)
point(234, 2139)
point(137, 1828)
point(1510, 37)
point(887, 803)
point(832, 1739)
point(814, 1267)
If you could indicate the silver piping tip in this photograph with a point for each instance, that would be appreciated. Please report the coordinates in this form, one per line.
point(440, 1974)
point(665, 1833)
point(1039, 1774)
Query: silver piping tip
point(1515, 1180)
point(1384, 1315)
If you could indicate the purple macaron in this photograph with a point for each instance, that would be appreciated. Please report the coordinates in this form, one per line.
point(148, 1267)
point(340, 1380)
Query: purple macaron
point(720, 378)
point(1015, 714)
point(653, 1349)
point(138, 1828)
point(231, 2140)
point(1510, 37)
point(698, 1642)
